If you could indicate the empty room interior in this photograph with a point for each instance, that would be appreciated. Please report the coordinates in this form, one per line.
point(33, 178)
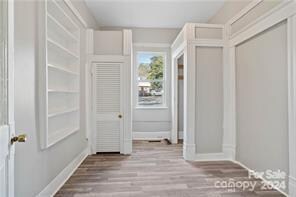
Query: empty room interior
point(147, 98)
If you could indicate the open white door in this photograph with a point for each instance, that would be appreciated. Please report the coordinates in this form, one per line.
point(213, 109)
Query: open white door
point(6, 100)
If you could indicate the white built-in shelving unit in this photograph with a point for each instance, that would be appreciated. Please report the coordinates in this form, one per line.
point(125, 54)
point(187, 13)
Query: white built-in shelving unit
point(59, 71)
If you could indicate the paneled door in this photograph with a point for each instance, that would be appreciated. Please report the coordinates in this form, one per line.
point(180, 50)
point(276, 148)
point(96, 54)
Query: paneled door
point(6, 99)
point(107, 107)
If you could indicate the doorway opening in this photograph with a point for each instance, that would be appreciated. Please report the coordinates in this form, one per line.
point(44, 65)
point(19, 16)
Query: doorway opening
point(178, 95)
point(180, 103)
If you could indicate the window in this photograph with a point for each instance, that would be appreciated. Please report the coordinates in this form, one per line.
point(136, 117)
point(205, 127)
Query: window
point(151, 79)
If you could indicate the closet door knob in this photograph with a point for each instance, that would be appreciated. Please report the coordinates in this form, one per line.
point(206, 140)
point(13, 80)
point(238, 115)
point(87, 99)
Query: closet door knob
point(20, 138)
point(119, 116)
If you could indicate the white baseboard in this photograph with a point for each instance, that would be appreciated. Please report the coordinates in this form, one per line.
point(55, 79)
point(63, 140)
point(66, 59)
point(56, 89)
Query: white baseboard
point(229, 151)
point(180, 135)
point(292, 186)
point(63, 176)
point(128, 147)
point(151, 135)
point(189, 151)
point(210, 157)
point(262, 178)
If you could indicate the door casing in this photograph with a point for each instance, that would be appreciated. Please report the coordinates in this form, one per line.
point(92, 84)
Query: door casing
point(7, 131)
point(126, 137)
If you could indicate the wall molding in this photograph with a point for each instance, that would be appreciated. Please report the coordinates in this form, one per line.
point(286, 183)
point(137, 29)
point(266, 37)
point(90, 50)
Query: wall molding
point(284, 11)
point(229, 151)
point(186, 43)
point(179, 50)
point(274, 16)
point(189, 151)
point(244, 11)
point(210, 157)
point(63, 176)
point(127, 41)
point(158, 135)
point(128, 146)
point(152, 45)
point(180, 37)
point(291, 35)
point(208, 42)
point(175, 97)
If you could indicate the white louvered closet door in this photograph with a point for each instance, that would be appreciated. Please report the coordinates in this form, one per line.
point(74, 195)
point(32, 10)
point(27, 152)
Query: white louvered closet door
point(107, 89)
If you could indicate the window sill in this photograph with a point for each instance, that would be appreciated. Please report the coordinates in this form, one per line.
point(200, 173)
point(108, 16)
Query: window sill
point(151, 108)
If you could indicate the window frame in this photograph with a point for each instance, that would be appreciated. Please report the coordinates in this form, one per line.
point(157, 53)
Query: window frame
point(164, 80)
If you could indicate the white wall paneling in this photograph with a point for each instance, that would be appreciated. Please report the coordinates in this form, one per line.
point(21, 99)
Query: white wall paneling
point(292, 102)
point(192, 36)
point(123, 59)
point(284, 11)
point(209, 102)
point(186, 43)
point(59, 72)
point(263, 22)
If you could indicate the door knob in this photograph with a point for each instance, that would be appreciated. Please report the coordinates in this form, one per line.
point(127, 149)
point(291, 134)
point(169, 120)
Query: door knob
point(119, 116)
point(20, 138)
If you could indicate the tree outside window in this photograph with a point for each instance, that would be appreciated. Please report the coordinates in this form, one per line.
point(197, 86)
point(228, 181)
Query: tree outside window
point(150, 78)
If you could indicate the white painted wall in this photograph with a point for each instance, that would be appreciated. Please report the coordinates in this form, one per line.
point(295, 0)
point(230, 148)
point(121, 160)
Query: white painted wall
point(149, 35)
point(228, 10)
point(157, 35)
point(35, 168)
point(108, 42)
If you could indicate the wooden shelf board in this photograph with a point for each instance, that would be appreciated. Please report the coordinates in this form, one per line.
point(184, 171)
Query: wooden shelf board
point(62, 69)
point(62, 112)
point(72, 36)
point(60, 12)
point(63, 91)
point(62, 48)
point(59, 135)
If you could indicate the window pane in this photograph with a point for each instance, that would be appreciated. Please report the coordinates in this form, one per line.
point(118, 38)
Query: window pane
point(150, 93)
point(150, 66)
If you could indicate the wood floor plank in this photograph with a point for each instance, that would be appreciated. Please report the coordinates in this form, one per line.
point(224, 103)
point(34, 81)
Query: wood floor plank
point(155, 170)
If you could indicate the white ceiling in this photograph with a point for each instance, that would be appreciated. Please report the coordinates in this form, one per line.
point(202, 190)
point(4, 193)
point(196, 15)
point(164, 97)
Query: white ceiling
point(152, 13)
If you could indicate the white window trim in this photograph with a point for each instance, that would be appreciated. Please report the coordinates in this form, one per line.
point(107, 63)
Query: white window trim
point(164, 53)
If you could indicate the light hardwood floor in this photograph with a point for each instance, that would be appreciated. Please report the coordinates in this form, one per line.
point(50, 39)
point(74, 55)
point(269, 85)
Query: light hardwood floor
point(155, 170)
